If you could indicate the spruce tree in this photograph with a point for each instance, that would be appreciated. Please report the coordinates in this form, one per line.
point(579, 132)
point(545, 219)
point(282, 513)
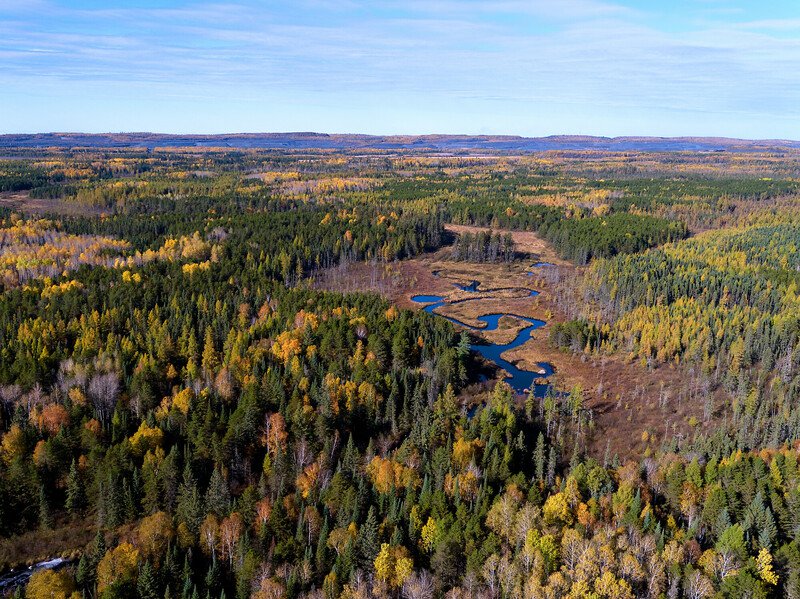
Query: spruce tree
point(190, 503)
point(147, 585)
point(218, 498)
point(113, 503)
point(84, 574)
point(539, 458)
point(367, 544)
point(350, 457)
point(551, 466)
point(321, 555)
point(128, 502)
point(76, 496)
point(213, 578)
point(45, 517)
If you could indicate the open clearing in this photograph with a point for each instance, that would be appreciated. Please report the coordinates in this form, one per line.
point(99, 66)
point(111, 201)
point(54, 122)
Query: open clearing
point(22, 201)
point(627, 399)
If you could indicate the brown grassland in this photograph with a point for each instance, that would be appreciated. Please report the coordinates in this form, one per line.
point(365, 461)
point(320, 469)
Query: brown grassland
point(634, 407)
point(22, 201)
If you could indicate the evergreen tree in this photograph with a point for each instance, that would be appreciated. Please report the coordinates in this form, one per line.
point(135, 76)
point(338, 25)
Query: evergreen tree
point(213, 578)
point(350, 458)
point(146, 584)
point(190, 504)
point(113, 503)
point(320, 555)
point(76, 496)
point(45, 517)
point(218, 498)
point(539, 458)
point(368, 544)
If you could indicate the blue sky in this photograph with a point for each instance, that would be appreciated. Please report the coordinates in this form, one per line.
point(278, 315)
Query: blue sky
point(527, 67)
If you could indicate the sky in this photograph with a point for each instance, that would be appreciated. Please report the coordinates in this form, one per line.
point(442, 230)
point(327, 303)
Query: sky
point(521, 67)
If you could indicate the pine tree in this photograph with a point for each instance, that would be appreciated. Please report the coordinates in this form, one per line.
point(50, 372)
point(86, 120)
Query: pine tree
point(112, 502)
point(350, 458)
point(128, 502)
point(321, 553)
point(213, 578)
point(218, 498)
point(45, 517)
point(367, 544)
point(767, 530)
point(76, 496)
point(190, 503)
point(186, 577)
point(83, 574)
point(147, 585)
point(87, 566)
point(539, 458)
point(551, 466)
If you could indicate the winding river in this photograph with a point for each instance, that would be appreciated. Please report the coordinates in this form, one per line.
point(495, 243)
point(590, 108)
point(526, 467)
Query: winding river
point(522, 381)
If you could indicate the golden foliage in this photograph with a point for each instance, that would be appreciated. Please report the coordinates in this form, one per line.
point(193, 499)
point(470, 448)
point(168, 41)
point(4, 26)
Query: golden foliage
point(154, 533)
point(387, 475)
point(118, 565)
point(13, 444)
point(393, 565)
point(50, 584)
point(146, 438)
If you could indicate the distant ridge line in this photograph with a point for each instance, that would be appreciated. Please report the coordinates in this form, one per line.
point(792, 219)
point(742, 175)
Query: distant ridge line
point(347, 141)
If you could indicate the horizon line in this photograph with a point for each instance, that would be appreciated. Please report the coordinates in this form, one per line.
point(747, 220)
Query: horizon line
point(406, 135)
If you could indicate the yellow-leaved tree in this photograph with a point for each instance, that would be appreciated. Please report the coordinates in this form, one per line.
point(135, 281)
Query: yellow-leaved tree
point(154, 533)
point(119, 565)
point(49, 584)
point(393, 565)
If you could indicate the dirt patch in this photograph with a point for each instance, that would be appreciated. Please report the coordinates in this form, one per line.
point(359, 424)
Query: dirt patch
point(397, 281)
point(23, 202)
point(627, 399)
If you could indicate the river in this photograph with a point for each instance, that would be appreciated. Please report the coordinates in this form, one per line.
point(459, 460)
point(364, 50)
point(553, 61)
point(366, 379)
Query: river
point(19, 577)
point(522, 381)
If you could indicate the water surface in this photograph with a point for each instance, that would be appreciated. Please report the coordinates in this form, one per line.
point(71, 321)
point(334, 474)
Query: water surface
point(522, 381)
point(19, 577)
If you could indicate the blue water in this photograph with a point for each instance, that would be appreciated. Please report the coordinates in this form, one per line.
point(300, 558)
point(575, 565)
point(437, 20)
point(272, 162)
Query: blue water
point(538, 265)
point(425, 299)
point(472, 287)
point(522, 381)
point(19, 577)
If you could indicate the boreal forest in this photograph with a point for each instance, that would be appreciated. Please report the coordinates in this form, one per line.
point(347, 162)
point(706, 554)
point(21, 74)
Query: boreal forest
point(251, 373)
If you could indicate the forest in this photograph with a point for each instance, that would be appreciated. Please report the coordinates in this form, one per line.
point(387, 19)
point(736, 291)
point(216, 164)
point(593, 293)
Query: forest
point(484, 246)
point(184, 415)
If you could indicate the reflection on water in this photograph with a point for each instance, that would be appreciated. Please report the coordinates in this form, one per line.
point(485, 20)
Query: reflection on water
point(472, 287)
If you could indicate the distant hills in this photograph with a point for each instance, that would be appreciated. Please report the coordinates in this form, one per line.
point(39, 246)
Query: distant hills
point(444, 143)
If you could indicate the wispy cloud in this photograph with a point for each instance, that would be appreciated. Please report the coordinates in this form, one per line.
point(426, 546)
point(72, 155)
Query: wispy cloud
point(771, 24)
point(530, 56)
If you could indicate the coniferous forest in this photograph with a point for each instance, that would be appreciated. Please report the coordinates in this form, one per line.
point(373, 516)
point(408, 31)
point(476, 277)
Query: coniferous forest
point(185, 414)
